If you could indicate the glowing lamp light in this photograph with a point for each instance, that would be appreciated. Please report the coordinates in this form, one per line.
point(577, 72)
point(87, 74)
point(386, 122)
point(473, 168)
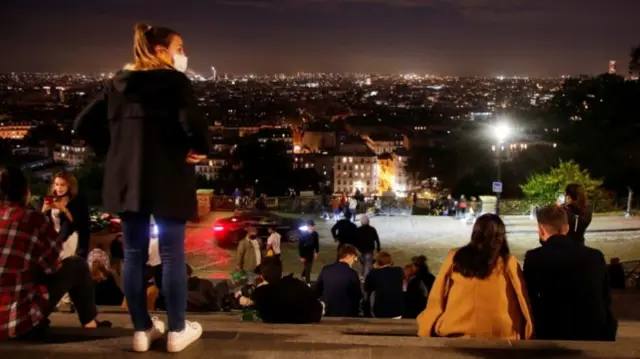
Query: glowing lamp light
point(502, 132)
point(303, 228)
point(155, 231)
point(218, 228)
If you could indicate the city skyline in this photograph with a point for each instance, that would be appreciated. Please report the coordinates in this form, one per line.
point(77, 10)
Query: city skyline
point(444, 37)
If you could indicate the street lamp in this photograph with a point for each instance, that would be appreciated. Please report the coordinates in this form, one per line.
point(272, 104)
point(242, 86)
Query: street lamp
point(501, 132)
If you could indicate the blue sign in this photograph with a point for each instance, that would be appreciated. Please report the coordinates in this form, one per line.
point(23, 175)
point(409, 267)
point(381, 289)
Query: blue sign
point(497, 187)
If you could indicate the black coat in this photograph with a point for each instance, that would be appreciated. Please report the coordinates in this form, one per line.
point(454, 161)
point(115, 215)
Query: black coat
point(146, 122)
point(569, 291)
point(79, 210)
point(339, 288)
point(289, 301)
point(579, 221)
point(367, 239)
point(388, 296)
point(415, 298)
point(344, 231)
point(309, 245)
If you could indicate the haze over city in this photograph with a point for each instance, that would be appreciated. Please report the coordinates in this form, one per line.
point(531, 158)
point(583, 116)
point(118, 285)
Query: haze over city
point(445, 37)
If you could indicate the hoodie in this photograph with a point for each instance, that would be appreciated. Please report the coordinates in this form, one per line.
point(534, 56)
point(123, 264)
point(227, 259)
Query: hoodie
point(146, 122)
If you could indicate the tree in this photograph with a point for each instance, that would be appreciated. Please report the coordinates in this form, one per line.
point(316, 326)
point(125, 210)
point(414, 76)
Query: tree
point(598, 127)
point(267, 167)
point(90, 178)
point(634, 61)
point(544, 188)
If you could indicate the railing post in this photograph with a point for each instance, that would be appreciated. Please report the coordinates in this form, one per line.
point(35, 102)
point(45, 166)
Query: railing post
point(629, 202)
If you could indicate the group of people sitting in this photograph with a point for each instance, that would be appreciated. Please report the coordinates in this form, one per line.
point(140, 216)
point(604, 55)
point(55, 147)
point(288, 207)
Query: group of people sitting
point(563, 292)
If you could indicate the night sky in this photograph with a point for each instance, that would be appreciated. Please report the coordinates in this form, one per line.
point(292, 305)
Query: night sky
point(447, 37)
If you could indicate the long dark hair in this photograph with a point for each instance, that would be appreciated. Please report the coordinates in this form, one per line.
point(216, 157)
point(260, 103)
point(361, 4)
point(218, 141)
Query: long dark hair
point(578, 197)
point(488, 243)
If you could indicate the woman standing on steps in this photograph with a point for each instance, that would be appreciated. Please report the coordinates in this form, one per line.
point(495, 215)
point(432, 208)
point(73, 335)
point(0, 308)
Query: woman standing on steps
point(145, 120)
point(578, 212)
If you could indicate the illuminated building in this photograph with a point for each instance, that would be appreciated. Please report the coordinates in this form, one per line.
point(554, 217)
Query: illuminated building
point(210, 167)
point(14, 132)
point(73, 155)
point(322, 163)
point(384, 143)
point(355, 171)
point(612, 67)
point(318, 140)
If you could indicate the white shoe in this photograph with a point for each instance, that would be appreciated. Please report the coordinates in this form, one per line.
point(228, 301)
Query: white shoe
point(142, 339)
point(177, 341)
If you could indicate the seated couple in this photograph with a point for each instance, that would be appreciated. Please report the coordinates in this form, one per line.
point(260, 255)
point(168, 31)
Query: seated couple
point(481, 291)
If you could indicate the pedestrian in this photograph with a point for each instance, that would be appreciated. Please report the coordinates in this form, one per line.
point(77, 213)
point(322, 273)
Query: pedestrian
point(308, 248)
point(146, 121)
point(367, 242)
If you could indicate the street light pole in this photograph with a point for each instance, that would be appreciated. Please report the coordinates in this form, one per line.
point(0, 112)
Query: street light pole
point(499, 165)
point(629, 202)
point(501, 132)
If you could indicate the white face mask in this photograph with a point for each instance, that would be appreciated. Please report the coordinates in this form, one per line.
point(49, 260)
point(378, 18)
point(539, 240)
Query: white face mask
point(180, 62)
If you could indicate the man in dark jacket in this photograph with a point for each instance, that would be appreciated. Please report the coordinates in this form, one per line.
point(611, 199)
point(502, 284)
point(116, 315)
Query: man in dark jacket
point(568, 284)
point(384, 288)
point(367, 241)
point(339, 286)
point(344, 231)
point(284, 299)
point(308, 248)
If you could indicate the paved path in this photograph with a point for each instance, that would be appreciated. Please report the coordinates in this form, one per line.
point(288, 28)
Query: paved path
point(405, 237)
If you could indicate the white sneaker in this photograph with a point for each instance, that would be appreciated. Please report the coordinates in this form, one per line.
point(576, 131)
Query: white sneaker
point(177, 341)
point(142, 340)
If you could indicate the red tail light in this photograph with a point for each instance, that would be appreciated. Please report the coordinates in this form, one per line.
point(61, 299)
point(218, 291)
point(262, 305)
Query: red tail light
point(218, 228)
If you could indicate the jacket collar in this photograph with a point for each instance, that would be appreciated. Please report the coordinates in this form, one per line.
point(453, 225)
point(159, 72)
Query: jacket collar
point(560, 239)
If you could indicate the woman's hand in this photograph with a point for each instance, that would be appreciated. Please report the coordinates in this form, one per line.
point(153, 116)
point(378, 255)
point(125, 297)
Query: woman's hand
point(194, 158)
point(60, 204)
point(46, 207)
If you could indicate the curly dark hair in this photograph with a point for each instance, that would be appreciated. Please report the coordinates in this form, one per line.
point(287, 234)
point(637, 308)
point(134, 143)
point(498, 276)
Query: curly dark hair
point(488, 243)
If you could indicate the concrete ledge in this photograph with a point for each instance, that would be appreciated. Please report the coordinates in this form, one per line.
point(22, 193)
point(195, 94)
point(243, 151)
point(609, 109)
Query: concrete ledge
point(226, 337)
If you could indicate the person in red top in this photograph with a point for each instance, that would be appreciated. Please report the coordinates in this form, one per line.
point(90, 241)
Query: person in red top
point(33, 279)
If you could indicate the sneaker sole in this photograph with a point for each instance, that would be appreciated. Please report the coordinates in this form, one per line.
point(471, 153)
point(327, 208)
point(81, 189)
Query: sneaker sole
point(183, 346)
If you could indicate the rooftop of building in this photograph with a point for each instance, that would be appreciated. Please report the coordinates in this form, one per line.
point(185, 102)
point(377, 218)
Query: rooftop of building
point(388, 137)
point(364, 153)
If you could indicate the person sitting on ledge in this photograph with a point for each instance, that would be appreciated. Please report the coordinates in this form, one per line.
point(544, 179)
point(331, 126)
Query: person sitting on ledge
point(339, 286)
point(284, 300)
point(33, 279)
point(479, 291)
point(568, 284)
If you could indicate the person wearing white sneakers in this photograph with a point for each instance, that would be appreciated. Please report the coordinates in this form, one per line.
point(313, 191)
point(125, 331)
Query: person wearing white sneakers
point(146, 121)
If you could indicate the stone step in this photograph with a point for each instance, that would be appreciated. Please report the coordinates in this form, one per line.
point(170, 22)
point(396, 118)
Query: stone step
point(227, 337)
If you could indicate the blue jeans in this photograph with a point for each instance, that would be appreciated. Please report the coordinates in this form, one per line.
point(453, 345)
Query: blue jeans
point(135, 228)
point(366, 259)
